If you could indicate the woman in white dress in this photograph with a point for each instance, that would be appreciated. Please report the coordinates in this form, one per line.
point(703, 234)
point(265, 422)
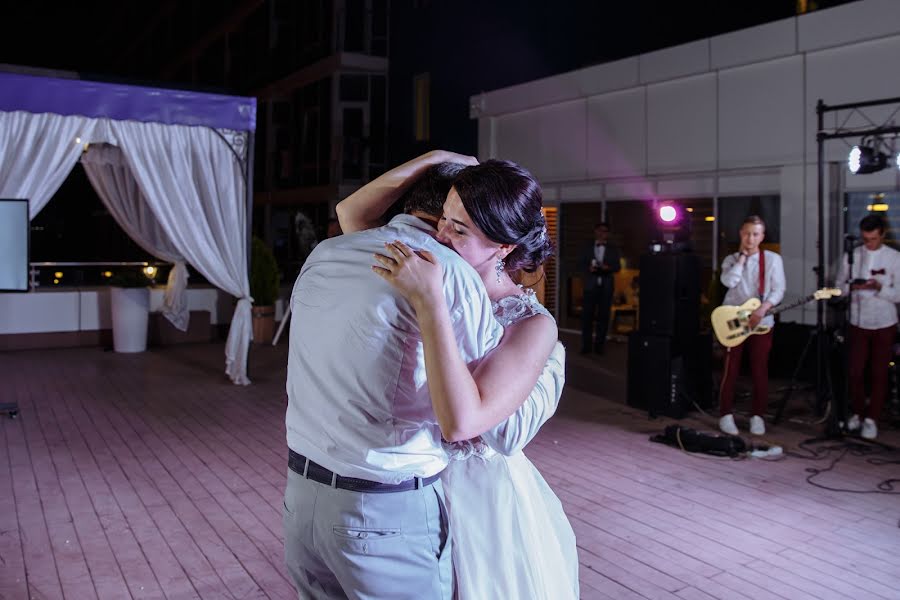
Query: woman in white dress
point(511, 538)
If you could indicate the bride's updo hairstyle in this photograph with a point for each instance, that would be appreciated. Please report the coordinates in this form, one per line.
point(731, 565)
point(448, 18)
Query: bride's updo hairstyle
point(504, 202)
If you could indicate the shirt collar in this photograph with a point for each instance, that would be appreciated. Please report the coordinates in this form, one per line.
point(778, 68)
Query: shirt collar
point(415, 222)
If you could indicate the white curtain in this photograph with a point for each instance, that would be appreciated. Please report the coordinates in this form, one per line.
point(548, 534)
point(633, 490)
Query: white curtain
point(114, 183)
point(193, 184)
point(37, 153)
point(191, 181)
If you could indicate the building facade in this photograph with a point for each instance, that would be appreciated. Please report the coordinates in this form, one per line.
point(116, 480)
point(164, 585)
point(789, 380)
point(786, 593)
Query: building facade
point(319, 71)
point(724, 126)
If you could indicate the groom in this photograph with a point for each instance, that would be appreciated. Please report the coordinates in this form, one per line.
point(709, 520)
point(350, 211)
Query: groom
point(364, 511)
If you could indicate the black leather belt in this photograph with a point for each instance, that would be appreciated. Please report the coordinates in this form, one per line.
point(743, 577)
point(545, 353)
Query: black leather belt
point(304, 467)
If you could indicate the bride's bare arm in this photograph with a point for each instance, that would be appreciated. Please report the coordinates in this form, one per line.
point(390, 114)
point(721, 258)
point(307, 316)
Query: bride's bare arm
point(365, 208)
point(467, 404)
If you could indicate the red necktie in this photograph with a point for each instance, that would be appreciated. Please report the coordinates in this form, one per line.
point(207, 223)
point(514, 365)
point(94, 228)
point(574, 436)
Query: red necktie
point(762, 274)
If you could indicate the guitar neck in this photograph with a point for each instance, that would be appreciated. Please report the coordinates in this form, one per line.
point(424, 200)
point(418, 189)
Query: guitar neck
point(777, 309)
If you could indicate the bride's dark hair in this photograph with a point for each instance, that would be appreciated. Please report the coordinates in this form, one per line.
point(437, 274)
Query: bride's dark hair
point(504, 201)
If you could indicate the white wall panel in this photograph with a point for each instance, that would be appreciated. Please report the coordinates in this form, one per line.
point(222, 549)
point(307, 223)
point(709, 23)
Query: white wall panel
point(754, 44)
point(550, 141)
point(592, 192)
point(638, 190)
point(749, 184)
point(616, 134)
point(95, 309)
point(699, 187)
point(848, 23)
point(39, 312)
point(856, 73)
point(761, 114)
point(590, 81)
point(677, 61)
point(681, 124)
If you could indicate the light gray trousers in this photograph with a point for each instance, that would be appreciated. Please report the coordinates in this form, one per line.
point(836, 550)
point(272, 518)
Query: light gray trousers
point(343, 544)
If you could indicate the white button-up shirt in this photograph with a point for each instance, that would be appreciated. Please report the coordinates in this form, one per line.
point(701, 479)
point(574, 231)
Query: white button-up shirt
point(358, 402)
point(870, 309)
point(599, 253)
point(742, 281)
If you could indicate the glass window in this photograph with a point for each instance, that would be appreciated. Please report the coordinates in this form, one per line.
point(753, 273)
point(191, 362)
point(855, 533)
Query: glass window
point(354, 88)
point(733, 211)
point(861, 204)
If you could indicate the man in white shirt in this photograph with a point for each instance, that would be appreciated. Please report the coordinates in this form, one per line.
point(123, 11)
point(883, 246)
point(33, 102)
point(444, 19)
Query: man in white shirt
point(364, 511)
point(874, 286)
point(751, 273)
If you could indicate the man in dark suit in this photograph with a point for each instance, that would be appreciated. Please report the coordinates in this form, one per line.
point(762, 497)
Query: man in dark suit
point(598, 265)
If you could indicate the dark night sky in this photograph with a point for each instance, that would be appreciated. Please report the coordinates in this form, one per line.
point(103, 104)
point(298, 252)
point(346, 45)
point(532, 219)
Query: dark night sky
point(467, 46)
point(515, 38)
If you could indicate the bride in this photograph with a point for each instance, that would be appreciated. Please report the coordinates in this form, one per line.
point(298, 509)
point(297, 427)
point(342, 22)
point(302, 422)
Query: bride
point(511, 538)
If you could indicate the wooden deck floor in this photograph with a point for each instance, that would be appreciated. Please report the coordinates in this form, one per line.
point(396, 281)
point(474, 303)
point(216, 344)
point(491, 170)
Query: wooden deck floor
point(150, 476)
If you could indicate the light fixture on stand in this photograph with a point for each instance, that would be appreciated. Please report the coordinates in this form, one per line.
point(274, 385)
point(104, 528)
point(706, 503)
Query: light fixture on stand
point(868, 157)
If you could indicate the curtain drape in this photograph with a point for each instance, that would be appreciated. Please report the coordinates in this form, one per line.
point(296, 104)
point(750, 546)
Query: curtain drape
point(114, 183)
point(37, 153)
point(189, 177)
point(193, 184)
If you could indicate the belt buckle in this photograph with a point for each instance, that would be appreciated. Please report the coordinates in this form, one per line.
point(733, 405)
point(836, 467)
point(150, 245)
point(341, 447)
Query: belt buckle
point(305, 468)
point(333, 480)
point(419, 483)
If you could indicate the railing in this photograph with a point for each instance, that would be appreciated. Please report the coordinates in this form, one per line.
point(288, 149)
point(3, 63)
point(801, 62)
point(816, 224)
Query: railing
point(35, 268)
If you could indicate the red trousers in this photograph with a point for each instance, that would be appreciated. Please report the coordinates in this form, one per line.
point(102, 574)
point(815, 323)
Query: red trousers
point(758, 347)
point(863, 343)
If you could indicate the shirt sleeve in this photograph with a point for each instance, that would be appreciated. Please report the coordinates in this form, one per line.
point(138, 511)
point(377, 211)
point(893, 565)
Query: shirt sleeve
point(777, 282)
point(476, 330)
point(513, 434)
point(732, 271)
point(890, 291)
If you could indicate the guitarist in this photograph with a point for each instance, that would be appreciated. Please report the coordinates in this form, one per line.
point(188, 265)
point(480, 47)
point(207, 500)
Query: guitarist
point(875, 290)
point(751, 273)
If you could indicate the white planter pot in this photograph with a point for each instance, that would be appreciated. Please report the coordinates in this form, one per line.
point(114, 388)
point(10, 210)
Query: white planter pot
point(130, 313)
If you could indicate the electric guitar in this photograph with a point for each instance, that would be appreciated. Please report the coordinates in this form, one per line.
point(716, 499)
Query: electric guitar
point(731, 324)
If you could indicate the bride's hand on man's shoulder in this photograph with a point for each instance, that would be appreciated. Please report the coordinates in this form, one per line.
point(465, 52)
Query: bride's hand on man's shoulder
point(418, 275)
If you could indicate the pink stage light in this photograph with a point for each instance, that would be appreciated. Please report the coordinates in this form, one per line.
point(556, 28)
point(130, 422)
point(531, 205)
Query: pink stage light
point(667, 213)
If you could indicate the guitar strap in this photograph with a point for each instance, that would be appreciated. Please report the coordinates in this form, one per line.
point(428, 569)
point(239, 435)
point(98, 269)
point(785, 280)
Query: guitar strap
point(762, 274)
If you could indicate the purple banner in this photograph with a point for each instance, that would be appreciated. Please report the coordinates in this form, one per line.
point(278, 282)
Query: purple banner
point(125, 102)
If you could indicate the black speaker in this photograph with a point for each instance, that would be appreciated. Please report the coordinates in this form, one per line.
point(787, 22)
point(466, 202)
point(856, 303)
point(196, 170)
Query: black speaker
point(670, 296)
point(652, 375)
point(667, 379)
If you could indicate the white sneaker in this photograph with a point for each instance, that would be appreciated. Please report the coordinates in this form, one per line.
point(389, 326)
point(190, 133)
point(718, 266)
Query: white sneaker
point(869, 429)
point(726, 424)
point(853, 423)
point(757, 425)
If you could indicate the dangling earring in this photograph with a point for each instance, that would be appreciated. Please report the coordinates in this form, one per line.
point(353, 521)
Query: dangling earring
point(499, 268)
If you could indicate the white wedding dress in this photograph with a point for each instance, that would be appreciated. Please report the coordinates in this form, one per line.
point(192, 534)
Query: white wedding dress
point(511, 538)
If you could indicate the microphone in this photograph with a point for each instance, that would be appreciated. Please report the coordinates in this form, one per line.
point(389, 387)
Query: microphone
point(852, 241)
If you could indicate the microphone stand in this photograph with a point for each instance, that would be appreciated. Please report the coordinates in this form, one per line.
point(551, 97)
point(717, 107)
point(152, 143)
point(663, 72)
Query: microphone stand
point(837, 422)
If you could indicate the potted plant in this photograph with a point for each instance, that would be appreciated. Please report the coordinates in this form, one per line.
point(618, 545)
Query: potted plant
point(264, 279)
point(130, 305)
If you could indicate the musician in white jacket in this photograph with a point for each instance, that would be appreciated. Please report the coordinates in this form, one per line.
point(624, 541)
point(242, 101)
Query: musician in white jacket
point(751, 273)
point(875, 291)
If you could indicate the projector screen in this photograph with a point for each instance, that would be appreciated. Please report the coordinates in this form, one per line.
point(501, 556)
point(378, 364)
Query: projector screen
point(14, 230)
